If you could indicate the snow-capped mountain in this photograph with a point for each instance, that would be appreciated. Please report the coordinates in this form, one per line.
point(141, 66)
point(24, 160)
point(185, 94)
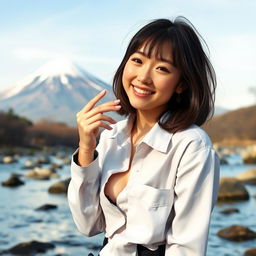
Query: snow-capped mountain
point(56, 91)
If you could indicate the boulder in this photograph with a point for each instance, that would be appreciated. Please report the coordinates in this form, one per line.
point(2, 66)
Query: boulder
point(8, 160)
point(237, 233)
point(29, 248)
point(13, 181)
point(223, 160)
point(249, 154)
point(231, 189)
point(248, 177)
point(60, 187)
point(66, 160)
point(29, 164)
point(41, 174)
point(229, 211)
point(43, 160)
point(250, 252)
point(63, 156)
point(55, 166)
point(46, 207)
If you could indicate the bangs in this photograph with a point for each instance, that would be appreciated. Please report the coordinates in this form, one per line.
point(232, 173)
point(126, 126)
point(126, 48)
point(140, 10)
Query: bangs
point(154, 45)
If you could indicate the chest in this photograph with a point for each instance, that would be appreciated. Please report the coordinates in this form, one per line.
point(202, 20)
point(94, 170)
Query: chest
point(146, 166)
point(118, 181)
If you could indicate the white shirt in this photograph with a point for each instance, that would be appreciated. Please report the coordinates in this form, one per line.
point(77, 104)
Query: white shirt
point(169, 197)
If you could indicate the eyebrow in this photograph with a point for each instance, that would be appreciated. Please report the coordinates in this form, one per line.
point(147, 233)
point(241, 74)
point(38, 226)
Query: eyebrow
point(162, 59)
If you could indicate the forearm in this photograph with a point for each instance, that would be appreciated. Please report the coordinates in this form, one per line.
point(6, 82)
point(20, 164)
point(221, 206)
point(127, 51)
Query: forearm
point(85, 157)
point(83, 197)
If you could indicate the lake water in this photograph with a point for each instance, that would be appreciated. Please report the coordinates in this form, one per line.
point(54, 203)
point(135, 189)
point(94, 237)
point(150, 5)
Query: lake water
point(20, 222)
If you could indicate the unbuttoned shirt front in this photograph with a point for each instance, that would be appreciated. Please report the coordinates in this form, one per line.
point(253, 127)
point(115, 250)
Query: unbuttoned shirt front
point(169, 197)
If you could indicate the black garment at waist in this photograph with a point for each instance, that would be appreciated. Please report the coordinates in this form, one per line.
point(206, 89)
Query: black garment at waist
point(144, 251)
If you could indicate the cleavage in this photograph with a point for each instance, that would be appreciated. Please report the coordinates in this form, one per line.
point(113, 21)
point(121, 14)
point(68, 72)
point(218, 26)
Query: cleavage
point(115, 184)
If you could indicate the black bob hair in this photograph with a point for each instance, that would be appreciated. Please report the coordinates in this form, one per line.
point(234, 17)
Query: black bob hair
point(196, 103)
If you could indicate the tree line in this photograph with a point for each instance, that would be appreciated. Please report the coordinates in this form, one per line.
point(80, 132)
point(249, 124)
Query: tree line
point(20, 131)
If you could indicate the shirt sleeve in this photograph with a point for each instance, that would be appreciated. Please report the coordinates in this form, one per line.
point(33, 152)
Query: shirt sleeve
point(83, 195)
point(195, 194)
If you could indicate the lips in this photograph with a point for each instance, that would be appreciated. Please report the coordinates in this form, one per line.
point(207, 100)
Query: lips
point(141, 91)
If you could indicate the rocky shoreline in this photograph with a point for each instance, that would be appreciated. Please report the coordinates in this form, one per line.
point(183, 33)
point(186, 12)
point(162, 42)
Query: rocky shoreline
point(232, 189)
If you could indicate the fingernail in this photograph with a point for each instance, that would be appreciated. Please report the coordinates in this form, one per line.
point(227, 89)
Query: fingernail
point(117, 101)
point(103, 91)
point(118, 107)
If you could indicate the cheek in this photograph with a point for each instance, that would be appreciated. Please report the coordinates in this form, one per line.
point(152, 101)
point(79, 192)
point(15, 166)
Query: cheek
point(168, 84)
point(127, 74)
point(165, 86)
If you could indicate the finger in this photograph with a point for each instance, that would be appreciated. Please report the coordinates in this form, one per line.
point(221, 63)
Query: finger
point(98, 124)
point(102, 109)
point(100, 117)
point(106, 107)
point(94, 101)
point(106, 104)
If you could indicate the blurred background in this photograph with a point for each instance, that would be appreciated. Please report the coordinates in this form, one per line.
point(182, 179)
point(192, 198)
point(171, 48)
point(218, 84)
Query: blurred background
point(55, 56)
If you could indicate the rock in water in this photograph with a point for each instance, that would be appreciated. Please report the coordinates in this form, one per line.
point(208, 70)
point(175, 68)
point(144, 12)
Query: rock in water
point(60, 187)
point(13, 181)
point(229, 211)
point(231, 189)
point(29, 248)
point(237, 233)
point(249, 154)
point(43, 160)
point(46, 207)
point(29, 164)
point(9, 160)
point(41, 174)
point(250, 252)
point(248, 177)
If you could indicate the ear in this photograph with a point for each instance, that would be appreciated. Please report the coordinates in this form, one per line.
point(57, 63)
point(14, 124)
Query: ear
point(180, 88)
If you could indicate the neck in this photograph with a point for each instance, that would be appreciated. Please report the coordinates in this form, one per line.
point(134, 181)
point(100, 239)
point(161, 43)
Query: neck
point(143, 123)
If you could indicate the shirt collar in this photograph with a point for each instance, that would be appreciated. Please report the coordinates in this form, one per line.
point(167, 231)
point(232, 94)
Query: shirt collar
point(122, 129)
point(157, 137)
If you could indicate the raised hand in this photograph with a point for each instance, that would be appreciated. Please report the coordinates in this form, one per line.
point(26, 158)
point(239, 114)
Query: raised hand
point(89, 120)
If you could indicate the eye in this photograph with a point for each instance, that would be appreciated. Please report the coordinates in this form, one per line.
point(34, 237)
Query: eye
point(137, 60)
point(164, 69)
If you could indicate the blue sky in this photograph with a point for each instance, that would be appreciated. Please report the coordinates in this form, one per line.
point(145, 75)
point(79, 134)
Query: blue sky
point(94, 34)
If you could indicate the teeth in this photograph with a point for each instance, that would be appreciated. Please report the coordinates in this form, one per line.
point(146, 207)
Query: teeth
point(142, 91)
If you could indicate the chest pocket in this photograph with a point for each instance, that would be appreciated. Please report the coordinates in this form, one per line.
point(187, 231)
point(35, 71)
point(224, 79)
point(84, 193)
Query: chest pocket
point(148, 212)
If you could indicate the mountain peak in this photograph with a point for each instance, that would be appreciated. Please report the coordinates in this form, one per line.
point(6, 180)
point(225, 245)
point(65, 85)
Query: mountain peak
point(57, 67)
point(57, 90)
point(54, 68)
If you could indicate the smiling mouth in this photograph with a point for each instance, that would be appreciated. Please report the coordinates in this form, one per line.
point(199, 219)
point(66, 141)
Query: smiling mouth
point(142, 91)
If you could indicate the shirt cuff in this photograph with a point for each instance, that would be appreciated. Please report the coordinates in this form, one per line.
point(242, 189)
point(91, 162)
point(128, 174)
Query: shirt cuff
point(89, 173)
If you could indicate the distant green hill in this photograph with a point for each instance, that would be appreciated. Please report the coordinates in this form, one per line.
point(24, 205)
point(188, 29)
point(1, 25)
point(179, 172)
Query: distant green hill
point(13, 128)
point(239, 124)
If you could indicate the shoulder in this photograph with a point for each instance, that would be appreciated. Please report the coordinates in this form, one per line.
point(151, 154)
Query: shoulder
point(193, 136)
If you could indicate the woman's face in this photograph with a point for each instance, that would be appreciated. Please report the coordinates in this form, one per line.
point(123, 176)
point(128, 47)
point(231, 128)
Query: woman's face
point(150, 82)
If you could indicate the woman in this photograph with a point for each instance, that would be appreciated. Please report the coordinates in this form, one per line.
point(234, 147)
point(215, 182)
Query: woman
point(152, 181)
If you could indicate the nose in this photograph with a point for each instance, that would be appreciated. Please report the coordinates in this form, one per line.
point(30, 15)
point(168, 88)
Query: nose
point(144, 75)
